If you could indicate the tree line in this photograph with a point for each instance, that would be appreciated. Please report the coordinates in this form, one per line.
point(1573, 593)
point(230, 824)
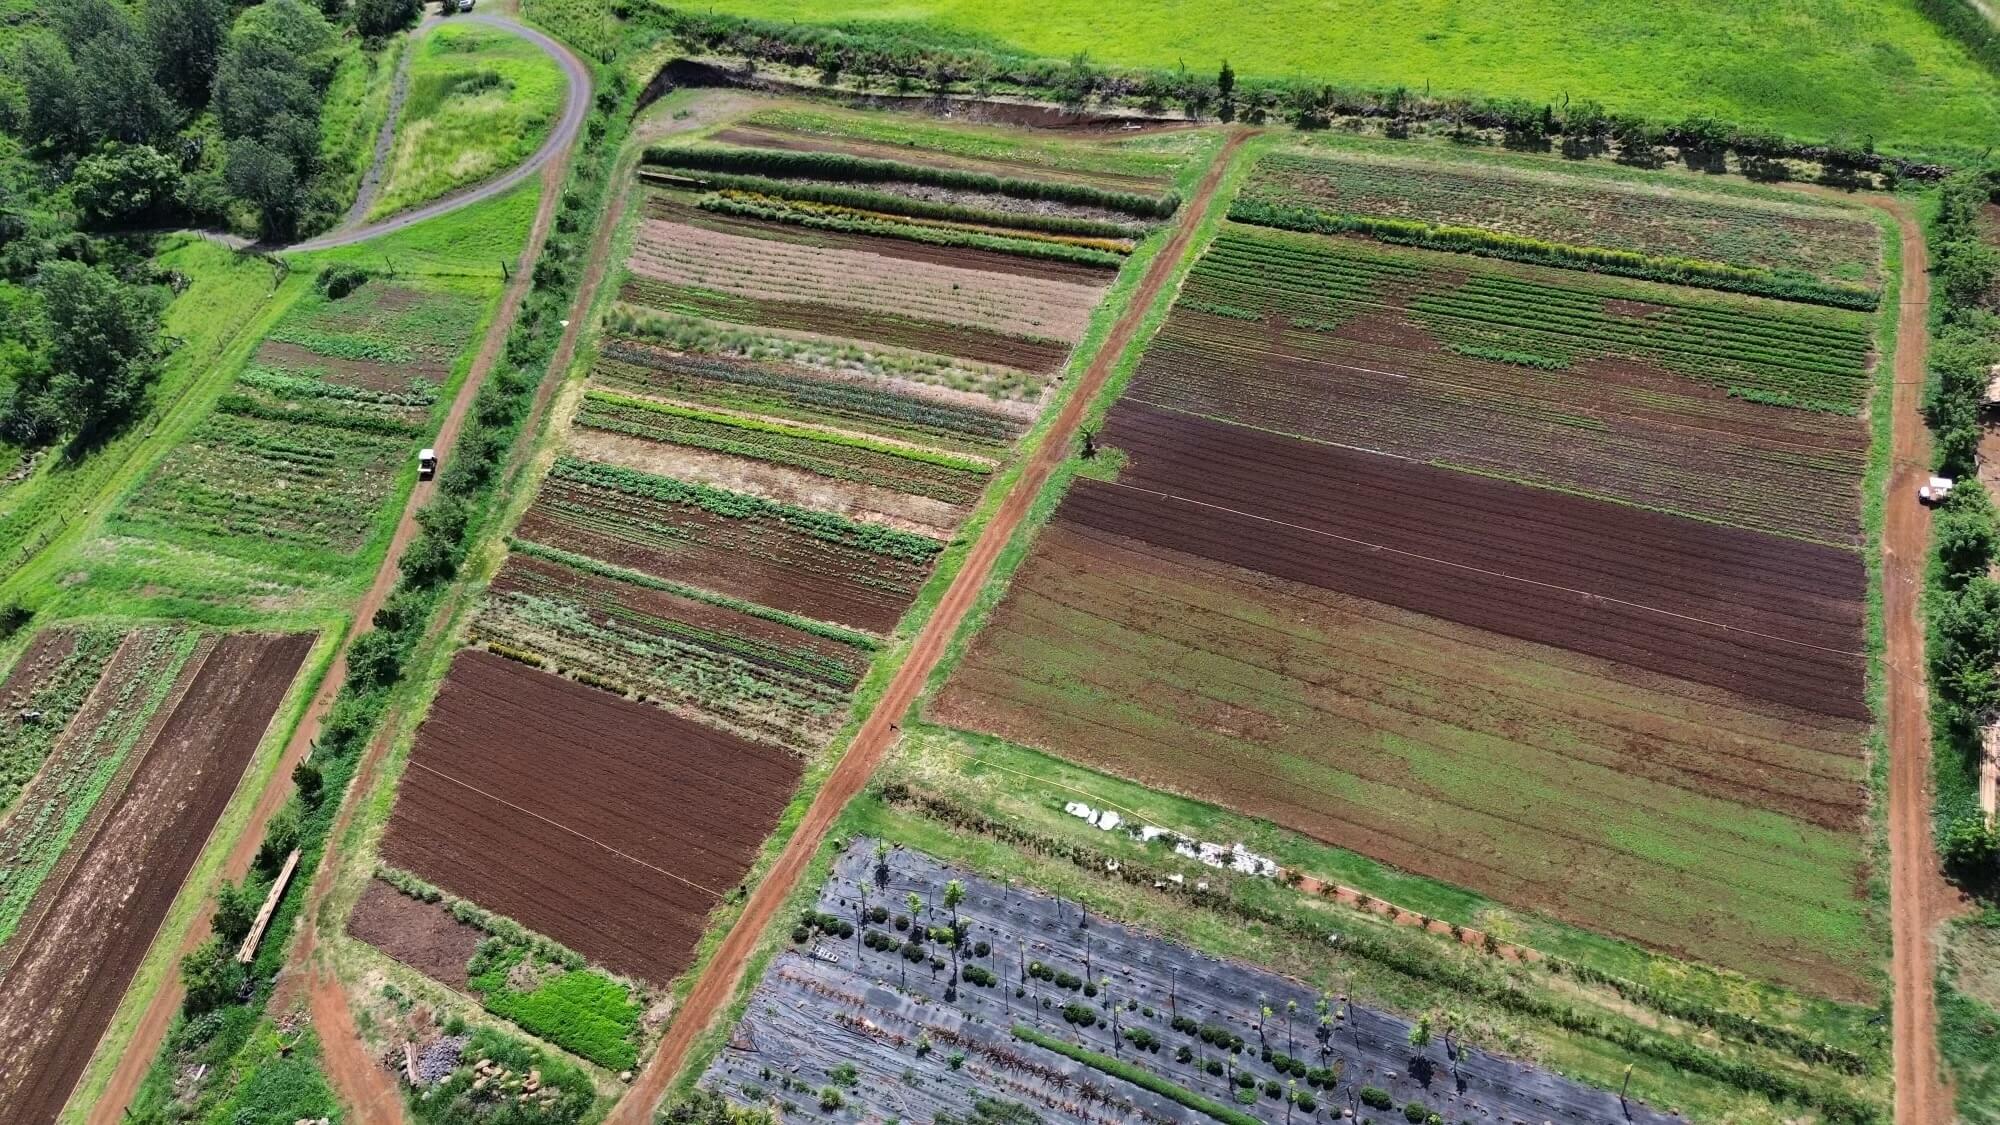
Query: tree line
point(1961, 598)
point(117, 119)
point(908, 61)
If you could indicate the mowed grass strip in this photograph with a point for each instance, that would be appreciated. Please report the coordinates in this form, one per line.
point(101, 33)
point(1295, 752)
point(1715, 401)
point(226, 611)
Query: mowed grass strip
point(1670, 814)
point(480, 101)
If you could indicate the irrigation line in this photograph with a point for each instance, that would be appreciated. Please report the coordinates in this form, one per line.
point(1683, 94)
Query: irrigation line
point(566, 828)
point(1488, 573)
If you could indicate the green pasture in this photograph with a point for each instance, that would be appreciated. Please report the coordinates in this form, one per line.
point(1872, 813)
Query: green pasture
point(1854, 69)
point(480, 101)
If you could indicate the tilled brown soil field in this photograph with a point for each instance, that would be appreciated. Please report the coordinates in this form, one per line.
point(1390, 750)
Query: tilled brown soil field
point(422, 935)
point(1687, 818)
point(82, 953)
point(758, 560)
point(1775, 618)
point(611, 826)
point(1617, 427)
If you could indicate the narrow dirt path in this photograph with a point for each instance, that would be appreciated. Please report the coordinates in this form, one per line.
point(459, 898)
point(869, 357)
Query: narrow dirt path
point(341, 1050)
point(717, 985)
point(385, 137)
point(1919, 898)
point(576, 106)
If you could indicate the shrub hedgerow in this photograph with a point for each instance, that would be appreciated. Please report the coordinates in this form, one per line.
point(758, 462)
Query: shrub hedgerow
point(861, 169)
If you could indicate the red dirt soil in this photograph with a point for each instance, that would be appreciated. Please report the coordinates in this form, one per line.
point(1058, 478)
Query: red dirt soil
point(82, 953)
point(718, 982)
point(1613, 426)
point(1919, 898)
point(977, 344)
point(1775, 618)
point(759, 560)
point(611, 826)
point(422, 935)
point(1442, 749)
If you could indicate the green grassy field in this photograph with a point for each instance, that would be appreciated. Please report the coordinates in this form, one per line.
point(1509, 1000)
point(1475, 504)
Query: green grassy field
point(480, 101)
point(1812, 68)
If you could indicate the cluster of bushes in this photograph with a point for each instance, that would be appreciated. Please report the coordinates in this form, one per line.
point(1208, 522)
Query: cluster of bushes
point(841, 167)
point(579, 1010)
point(909, 59)
point(1833, 1103)
point(224, 999)
point(1961, 600)
point(1518, 248)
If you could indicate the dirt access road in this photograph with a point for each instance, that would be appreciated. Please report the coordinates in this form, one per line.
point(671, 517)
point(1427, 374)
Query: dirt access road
point(1919, 898)
point(137, 1054)
point(717, 985)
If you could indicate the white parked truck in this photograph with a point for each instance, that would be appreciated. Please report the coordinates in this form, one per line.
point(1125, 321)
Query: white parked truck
point(427, 463)
point(1934, 490)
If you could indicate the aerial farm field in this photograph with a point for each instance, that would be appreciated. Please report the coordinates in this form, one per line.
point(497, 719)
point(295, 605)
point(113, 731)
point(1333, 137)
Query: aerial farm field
point(1490, 571)
point(919, 991)
point(97, 846)
point(808, 377)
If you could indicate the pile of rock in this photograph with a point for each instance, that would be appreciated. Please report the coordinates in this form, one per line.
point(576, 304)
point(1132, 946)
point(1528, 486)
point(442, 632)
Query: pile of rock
point(438, 1058)
point(499, 1081)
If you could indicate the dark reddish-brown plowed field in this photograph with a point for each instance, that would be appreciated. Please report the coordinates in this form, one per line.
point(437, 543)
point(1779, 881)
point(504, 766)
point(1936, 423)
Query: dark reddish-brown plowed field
point(664, 206)
point(82, 953)
point(1620, 428)
point(1771, 617)
point(760, 561)
point(422, 935)
point(1670, 813)
point(581, 815)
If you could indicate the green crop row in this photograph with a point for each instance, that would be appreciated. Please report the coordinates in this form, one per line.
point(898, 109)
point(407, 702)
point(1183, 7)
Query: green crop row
point(1137, 1076)
point(760, 425)
point(839, 460)
point(777, 392)
point(859, 169)
point(849, 637)
point(287, 385)
point(755, 207)
point(1493, 244)
point(366, 422)
point(893, 204)
point(825, 526)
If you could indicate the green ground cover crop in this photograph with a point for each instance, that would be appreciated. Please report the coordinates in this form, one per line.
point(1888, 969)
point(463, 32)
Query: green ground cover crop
point(1850, 68)
point(480, 101)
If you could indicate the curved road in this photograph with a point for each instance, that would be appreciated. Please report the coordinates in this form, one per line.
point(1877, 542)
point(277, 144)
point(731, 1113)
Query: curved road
point(576, 105)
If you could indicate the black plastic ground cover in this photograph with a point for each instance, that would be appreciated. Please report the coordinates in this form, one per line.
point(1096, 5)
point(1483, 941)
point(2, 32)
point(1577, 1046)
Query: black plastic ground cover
point(921, 1041)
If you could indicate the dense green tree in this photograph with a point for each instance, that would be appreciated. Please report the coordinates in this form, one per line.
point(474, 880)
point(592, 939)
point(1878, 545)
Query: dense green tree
point(51, 116)
point(124, 185)
point(101, 353)
point(211, 976)
point(186, 38)
point(385, 17)
point(268, 88)
point(236, 907)
point(1967, 533)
